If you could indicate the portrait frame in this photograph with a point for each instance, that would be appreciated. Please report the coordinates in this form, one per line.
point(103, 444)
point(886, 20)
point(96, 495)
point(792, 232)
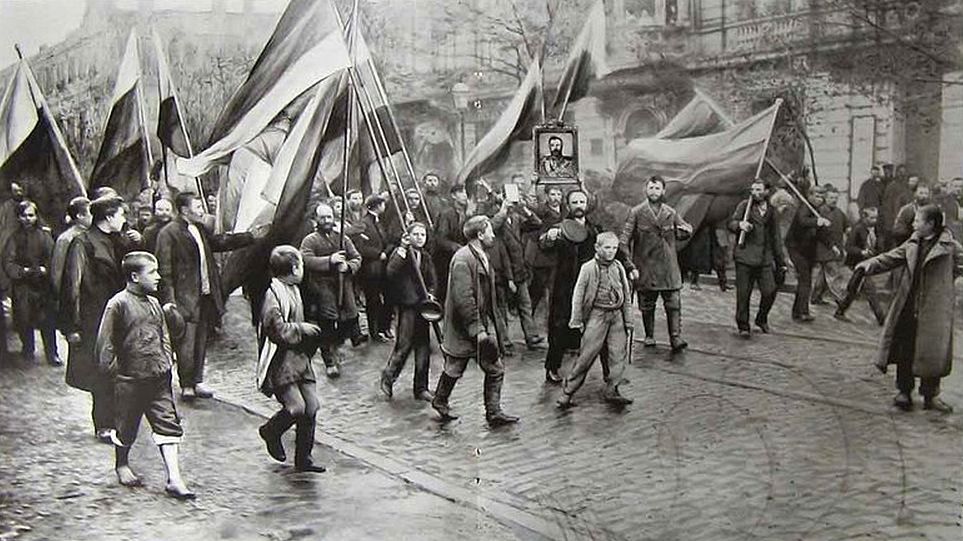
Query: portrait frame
point(569, 173)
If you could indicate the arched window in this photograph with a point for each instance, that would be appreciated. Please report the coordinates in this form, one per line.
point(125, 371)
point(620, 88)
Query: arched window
point(641, 123)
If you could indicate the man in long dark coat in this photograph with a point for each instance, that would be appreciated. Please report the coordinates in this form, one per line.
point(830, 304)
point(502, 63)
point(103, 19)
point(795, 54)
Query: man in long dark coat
point(918, 333)
point(374, 245)
point(92, 275)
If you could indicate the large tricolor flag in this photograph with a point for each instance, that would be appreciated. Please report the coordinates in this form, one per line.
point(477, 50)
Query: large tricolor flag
point(124, 158)
point(33, 151)
point(307, 46)
point(587, 61)
point(515, 123)
point(721, 163)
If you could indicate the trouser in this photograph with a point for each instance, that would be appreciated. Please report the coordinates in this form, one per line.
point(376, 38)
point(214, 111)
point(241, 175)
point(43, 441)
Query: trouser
point(859, 283)
point(103, 409)
point(523, 303)
point(905, 381)
point(192, 347)
point(671, 302)
point(539, 285)
point(412, 334)
point(804, 279)
point(494, 376)
point(49, 335)
point(378, 313)
point(747, 277)
point(560, 340)
point(4, 353)
point(151, 398)
point(604, 331)
point(831, 277)
point(333, 333)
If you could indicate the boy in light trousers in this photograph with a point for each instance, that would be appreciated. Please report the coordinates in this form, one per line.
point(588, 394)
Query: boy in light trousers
point(600, 310)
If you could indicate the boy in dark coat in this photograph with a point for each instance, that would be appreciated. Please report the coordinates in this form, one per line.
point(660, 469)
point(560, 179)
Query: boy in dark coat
point(408, 292)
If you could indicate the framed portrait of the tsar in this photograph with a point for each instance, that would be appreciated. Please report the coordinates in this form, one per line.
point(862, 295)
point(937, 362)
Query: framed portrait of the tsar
point(556, 154)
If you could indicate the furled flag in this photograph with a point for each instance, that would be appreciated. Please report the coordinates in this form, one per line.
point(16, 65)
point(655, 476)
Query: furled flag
point(515, 123)
point(701, 116)
point(171, 129)
point(306, 47)
point(587, 61)
point(720, 163)
point(33, 152)
point(124, 158)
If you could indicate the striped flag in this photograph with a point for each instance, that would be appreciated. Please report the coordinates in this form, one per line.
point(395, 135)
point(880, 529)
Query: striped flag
point(587, 61)
point(514, 124)
point(306, 47)
point(124, 156)
point(171, 130)
point(33, 151)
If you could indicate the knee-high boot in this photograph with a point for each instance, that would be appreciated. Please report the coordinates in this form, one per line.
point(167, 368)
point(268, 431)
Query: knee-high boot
point(304, 444)
point(271, 432)
point(674, 322)
point(442, 391)
point(493, 398)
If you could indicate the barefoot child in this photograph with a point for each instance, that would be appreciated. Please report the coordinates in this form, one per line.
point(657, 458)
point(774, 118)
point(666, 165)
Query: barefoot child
point(600, 309)
point(134, 346)
point(284, 369)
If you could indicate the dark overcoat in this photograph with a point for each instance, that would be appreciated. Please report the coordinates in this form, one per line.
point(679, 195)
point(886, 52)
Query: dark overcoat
point(31, 290)
point(649, 236)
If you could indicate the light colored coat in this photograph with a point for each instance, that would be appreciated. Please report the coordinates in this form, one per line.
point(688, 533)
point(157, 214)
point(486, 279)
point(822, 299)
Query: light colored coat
point(587, 288)
point(934, 329)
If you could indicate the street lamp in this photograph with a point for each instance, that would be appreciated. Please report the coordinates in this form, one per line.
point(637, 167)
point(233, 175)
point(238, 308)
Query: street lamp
point(459, 94)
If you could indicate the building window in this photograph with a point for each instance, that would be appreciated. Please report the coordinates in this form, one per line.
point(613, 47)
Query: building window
point(596, 146)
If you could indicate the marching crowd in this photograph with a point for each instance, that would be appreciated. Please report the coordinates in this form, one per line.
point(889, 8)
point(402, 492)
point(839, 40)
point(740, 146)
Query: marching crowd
point(138, 297)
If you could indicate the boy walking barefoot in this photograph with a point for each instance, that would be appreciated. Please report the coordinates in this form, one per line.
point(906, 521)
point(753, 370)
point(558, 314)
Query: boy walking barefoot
point(134, 346)
point(600, 309)
point(284, 368)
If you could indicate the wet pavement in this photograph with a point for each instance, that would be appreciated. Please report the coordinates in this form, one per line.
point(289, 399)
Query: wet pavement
point(784, 436)
point(58, 482)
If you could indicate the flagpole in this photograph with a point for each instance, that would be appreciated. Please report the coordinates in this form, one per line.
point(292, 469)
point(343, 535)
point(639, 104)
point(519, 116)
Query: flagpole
point(765, 147)
point(373, 112)
point(180, 114)
point(40, 103)
point(792, 185)
point(140, 110)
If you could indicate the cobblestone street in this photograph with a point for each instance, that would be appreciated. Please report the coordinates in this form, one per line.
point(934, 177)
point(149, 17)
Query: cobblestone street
point(785, 436)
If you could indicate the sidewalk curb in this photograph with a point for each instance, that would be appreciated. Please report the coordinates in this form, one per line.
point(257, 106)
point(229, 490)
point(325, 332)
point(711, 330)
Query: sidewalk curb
point(505, 513)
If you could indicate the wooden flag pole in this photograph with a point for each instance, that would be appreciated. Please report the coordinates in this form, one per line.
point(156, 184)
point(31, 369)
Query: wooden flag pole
point(793, 187)
point(365, 99)
point(762, 160)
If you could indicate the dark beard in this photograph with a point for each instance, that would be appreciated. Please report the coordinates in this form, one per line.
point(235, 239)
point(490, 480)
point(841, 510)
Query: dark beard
point(577, 213)
point(656, 199)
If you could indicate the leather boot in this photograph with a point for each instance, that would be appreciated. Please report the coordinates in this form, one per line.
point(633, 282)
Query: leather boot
point(674, 322)
point(271, 432)
point(445, 385)
point(304, 444)
point(648, 323)
point(493, 397)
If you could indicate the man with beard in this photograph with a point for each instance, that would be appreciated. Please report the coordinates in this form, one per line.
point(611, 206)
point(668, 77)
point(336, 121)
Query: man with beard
point(758, 257)
point(543, 261)
point(555, 164)
point(571, 254)
point(903, 226)
point(471, 326)
point(92, 275)
point(354, 219)
point(862, 243)
point(163, 214)
point(436, 202)
point(449, 236)
point(26, 260)
point(649, 236)
point(330, 270)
